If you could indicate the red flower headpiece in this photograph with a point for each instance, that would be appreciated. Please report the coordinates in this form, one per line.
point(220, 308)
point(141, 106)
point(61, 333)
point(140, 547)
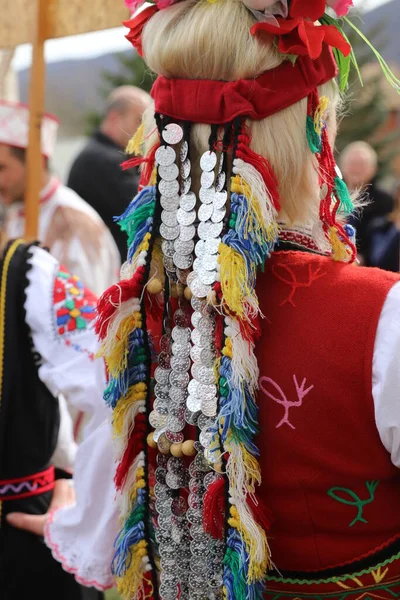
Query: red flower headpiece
point(136, 26)
point(300, 35)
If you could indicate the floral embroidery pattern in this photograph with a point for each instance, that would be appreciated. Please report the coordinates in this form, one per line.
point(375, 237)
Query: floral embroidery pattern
point(75, 305)
point(281, 399)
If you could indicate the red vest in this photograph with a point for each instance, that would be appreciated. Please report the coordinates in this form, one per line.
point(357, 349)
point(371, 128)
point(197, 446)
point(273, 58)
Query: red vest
point(326, 477)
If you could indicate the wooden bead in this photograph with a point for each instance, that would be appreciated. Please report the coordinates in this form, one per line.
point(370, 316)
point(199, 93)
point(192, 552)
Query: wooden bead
point(154, 286)
point(187, 293)
point(188, 448)
point(176, 450)
point(150, 441)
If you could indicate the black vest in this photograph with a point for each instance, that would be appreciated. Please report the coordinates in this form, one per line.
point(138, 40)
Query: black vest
point(29, 414)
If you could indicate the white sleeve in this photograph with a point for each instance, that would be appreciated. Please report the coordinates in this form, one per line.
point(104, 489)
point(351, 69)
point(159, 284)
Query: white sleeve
point(60, 312)
point(65, 452)
point(386, 375)
point(82, 536)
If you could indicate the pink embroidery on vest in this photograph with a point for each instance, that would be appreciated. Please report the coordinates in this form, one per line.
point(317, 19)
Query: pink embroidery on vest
point(290, 279)
point(287, 404)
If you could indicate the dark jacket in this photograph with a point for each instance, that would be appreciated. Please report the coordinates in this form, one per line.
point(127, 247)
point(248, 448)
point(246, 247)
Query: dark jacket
point(96, 175)
point(380, 205)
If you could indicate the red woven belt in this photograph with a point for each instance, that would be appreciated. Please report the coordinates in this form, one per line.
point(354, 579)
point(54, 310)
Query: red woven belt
point(23, 487)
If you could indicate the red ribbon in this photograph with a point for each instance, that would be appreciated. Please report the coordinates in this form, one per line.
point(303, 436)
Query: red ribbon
point(219, 102)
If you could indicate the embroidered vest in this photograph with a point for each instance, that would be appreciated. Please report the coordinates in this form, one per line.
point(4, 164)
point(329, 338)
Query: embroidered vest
point(29, 414)
point(326, 477)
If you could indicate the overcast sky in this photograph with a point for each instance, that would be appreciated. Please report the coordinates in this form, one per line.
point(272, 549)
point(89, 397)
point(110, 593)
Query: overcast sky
point(93, 44)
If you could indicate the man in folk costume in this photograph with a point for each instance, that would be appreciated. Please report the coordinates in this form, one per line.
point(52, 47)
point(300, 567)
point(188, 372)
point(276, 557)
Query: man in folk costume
point(73, 231)
point(47, 349)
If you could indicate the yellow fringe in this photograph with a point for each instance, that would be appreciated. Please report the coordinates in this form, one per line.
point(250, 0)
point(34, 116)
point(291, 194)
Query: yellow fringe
point(255, 218)
point(340, 250)
point(144, 245)
point(227, 349)
point(153, 178)
point(135, 143)
point(140, 483)
point(234, 280)
point(131, 583)
point(256, 570)
point(319, 114)
point(117, 359)
point(135, 393)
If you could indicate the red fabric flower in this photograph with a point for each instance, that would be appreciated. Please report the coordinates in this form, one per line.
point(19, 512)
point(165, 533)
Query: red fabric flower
point(299, 35)
point(136, 26)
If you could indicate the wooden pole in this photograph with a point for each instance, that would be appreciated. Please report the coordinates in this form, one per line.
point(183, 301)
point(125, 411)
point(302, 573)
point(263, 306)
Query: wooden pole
point(34, 161)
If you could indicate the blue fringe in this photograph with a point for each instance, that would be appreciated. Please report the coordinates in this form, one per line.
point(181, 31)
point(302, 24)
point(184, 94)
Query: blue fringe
point(145, 196)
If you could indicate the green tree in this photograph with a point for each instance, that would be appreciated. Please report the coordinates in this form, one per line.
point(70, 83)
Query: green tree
point(132, 71)
point(365, 110)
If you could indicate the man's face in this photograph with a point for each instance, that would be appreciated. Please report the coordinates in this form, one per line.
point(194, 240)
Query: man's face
point(357, 170)
point(12, 177)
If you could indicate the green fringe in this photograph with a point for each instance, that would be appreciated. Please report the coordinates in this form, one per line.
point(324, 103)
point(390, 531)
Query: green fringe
point(133, 222)
point(314, 140)
point(232, 560)
point(342, 193)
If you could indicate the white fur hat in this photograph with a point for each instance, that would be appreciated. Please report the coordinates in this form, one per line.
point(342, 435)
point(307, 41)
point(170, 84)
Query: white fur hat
point(14, 127)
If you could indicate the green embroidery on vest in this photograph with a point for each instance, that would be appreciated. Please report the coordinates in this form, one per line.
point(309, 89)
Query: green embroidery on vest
point(357, 501)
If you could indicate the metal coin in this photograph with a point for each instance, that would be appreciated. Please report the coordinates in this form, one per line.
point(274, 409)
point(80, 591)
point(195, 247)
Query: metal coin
point(216, 229)
point(175, 465)
point(193, 387)
point(188, 201)
point(162, 391)
point(194, 501)
point(212, 245)
point(173, 481)
point(206, 195)
point(181, 350)
point(162, 461)
point(157, 420)
point(162, 375)
point(181, 335)
point(179, 380)
point(185, 168)
point(168, 188)
point(183, 261)
point(182, 365)
point(207, 277)
point(184, 151)
point(204, 230)
point(187, 233)
point(209, 262)
point(209, 407)
point(199, 248)
point(191, 417)
point(177, 395)
point(160, 475)
point(169, 218)
point(195, 354)
point(161, 406)
point(167, 248)
point(218, 215)
point(206, 325)
point(191, 277)
point(165, 343)
point(169, 173)
point(205, 439)
point(205, 375)
point(199, 289)
point(186, 184)
point(186, 217)
point(196, 338)
point(220, 199)
point(196, 316)
point(194, 516)
point(181, 318)
point(205, 212)
point(164, 360)
point(158, 434)
point(193, 403)
point(220, 181)
point(208, 161)
point(207, 179)
point(175, 437)
point(172, 133)
point(207, 357)
point(169, 203)
point(176, 409)
point(168, 263)
point(165, 156)
point(184, 247)
point(169, 233)
point(206, 391)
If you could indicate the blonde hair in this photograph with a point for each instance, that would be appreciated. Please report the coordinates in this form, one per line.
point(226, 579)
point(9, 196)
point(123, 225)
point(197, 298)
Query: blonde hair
point(201, 40)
